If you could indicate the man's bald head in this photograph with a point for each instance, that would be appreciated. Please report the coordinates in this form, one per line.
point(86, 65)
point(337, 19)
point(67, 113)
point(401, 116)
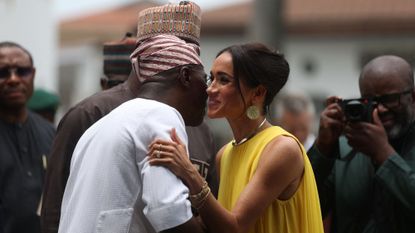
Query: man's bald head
point(387, 66)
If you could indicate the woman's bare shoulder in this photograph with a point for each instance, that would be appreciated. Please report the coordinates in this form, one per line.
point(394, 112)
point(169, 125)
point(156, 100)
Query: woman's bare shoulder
point(283, 153)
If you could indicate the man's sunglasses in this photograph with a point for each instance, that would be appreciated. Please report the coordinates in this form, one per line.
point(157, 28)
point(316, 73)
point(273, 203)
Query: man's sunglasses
point(22, 72)
point(392, 100)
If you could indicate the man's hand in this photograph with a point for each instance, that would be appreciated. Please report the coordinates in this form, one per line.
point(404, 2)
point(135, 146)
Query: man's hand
point(370, 139)
point(331, 127)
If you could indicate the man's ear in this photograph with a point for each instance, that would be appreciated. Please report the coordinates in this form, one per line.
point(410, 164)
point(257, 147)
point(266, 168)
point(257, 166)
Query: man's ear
point(184, 75)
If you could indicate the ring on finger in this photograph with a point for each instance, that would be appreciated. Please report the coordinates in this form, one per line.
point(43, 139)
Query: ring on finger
point(158, 154)
point(160, 147)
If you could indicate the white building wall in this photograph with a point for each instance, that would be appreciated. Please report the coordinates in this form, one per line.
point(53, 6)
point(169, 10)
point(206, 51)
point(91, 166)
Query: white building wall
point(88, 61)
point(337, 62)
point(80, 70)
point(30, 23)
point(335, 67)
point(210, 46)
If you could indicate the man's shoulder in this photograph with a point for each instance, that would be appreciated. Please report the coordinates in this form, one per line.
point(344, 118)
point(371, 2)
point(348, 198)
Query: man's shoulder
point(115, 95)
point(98, 104)
point(149, 106)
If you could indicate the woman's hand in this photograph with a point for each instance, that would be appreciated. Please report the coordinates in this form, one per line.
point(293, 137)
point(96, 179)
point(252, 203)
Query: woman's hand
point(173, 155)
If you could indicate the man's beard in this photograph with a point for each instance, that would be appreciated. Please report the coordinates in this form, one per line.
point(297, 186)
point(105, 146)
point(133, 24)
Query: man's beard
point(395, 132)
point(403, 122)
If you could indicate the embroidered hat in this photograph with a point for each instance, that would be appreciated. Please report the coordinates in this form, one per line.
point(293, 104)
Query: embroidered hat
point(182, 20)
point(117, 56)
point(163, 52)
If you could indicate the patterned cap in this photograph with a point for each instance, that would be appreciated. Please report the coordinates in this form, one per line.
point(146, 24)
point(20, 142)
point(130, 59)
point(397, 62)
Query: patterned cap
point(163, 52)
point(117, 56)
point(182, 20)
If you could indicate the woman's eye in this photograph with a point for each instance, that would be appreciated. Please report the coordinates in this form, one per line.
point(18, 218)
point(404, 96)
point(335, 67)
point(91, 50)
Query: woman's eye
point(224, 80)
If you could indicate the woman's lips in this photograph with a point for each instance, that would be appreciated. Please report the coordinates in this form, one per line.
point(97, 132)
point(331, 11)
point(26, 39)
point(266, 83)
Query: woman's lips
point(212, 103)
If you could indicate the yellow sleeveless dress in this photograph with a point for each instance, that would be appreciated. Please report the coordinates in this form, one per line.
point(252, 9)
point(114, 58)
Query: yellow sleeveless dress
point(299, 214)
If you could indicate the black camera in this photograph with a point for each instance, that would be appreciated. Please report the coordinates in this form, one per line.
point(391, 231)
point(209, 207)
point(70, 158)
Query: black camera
point(358, 109)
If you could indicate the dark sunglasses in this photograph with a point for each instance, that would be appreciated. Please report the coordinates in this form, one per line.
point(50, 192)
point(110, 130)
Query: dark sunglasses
point(392, 100)
point(22, 72)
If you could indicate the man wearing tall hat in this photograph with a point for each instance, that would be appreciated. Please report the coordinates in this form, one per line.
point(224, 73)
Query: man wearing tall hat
point(117, 64)
point(87, 112)
point(111, 185)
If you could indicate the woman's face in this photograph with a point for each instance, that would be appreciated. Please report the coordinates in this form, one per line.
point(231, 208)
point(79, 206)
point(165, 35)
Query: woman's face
point(224, 97)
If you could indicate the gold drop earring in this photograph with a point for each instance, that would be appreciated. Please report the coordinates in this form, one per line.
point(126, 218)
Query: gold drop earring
point(252, 112)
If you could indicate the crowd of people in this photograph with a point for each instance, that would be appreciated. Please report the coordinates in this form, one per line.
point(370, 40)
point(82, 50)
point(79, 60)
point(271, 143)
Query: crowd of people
point(138, 156)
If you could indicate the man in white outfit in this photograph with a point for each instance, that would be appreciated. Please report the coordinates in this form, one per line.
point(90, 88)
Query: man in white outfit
point(111, 186)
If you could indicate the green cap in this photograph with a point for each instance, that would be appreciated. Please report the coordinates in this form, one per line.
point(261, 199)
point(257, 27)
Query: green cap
point(42, 99)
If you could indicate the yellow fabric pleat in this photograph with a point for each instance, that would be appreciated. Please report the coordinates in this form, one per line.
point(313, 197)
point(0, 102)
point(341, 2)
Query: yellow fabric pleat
point(299, 214)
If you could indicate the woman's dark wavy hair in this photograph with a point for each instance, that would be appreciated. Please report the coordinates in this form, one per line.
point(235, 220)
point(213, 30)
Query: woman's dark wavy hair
point(255, 64)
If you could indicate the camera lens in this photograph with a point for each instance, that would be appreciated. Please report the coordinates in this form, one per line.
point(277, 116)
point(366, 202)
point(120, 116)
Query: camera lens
point(354, 110)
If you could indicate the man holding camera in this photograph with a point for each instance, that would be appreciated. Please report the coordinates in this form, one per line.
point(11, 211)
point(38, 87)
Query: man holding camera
point(365, 166)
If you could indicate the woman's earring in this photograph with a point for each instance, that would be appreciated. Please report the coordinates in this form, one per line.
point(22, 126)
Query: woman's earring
point(252, 112)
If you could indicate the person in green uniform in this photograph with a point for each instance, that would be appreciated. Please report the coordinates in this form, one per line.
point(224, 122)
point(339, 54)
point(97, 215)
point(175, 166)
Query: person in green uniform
point(44, 103)
point(365, 170)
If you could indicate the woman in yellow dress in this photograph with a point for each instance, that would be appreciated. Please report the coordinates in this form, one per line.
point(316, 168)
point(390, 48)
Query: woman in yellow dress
point(267, 184)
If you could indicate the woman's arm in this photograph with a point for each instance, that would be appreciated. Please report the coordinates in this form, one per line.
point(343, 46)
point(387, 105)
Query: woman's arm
point(278, 174)
point(218, 158)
